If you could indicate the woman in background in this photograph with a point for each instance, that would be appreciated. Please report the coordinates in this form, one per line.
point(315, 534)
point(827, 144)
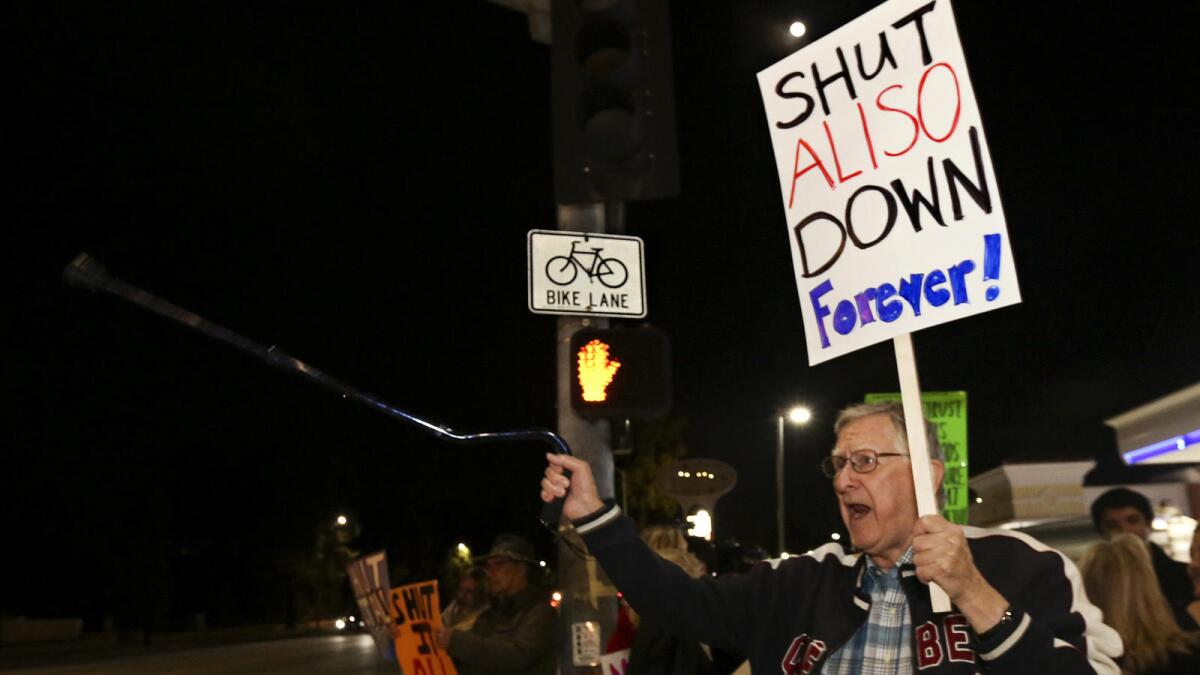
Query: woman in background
point(654, 651)
point(1120, 581)
point(1193, 608)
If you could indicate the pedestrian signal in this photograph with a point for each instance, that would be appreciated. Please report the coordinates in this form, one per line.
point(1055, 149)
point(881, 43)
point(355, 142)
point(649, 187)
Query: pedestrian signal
point(620, 373)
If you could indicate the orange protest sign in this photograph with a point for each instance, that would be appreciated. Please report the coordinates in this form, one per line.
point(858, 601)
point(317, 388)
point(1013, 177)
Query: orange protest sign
point(416, 612)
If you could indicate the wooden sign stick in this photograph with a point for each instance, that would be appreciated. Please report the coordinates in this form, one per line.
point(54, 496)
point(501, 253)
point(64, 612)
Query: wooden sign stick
point(914, 419)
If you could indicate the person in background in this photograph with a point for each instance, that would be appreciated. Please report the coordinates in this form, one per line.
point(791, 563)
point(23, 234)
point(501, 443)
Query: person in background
point(515, 636)
point(469, 600)
point(654, 649)
point(1121, 510)
point(1193, 607)
point(1119, 579)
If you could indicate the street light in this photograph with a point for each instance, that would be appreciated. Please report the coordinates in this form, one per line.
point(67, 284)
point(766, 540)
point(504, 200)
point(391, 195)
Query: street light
point(701, 522)
point(797, 415)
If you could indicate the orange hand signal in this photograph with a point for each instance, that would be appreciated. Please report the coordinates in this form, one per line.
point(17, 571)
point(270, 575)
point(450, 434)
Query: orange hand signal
point(596, 370)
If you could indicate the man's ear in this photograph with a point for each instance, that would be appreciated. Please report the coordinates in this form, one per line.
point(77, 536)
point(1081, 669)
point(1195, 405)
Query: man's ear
point(937, 469)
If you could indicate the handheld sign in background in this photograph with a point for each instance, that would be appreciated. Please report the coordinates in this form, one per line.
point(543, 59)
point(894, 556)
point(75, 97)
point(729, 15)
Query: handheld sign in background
point(615, 663)
point(893, 212)
point(948, 410)
point(416, 611)
point(369, 579)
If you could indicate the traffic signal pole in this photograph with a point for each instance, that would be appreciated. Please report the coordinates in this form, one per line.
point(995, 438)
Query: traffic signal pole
point(590, 441)
point(614, 141)
point(589, 605)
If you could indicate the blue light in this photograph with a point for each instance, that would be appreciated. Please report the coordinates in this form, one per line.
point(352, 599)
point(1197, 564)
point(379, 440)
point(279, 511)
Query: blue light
point(1173, 444)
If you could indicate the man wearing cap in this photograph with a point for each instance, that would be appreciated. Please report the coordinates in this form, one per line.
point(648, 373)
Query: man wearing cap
point(516, 634)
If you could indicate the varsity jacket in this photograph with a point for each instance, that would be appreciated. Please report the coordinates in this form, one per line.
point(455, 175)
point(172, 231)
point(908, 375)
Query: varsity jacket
point(790, 616)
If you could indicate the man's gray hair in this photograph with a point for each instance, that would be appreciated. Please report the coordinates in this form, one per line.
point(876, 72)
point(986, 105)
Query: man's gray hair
point(895, 411)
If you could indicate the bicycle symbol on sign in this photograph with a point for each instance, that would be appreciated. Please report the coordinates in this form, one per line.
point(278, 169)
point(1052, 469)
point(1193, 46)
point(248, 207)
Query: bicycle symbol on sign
point(562, 269)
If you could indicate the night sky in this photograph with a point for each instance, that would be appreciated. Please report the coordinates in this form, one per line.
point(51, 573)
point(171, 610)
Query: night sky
point(353, 182)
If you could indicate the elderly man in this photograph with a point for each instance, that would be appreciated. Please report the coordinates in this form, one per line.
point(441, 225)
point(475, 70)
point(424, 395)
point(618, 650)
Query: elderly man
point(1018, 606)
point(516, 634)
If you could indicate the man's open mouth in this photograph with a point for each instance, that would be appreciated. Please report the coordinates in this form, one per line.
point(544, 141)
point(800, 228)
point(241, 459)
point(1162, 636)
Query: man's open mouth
point(857, 511)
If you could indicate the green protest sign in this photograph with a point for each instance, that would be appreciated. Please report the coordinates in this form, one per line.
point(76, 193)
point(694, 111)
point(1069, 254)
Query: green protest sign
point(948, 410)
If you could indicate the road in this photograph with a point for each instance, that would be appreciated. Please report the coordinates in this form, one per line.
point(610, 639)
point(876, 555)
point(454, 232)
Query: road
point(310, 656)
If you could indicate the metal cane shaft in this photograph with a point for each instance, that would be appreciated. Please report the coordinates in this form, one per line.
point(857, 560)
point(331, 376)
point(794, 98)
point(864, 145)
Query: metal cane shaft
point(87, 273)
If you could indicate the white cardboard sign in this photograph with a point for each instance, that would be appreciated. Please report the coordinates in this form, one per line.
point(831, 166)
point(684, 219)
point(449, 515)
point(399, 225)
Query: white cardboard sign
point(893, 212)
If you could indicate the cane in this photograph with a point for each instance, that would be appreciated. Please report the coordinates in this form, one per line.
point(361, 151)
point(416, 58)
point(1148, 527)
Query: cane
point(87, 273)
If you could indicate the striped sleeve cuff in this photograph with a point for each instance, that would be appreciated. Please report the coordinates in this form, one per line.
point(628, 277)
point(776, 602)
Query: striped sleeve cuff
point(1004, 637)
point(597, 519)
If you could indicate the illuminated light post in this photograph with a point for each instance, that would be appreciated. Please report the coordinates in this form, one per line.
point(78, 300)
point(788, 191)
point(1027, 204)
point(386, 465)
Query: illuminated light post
point(797, 29)
point(701, 527)
point(798, 415)
point(342, 520)
point(696, 484)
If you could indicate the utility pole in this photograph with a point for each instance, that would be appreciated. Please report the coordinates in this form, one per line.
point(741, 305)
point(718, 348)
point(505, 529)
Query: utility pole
point(614, 140)
point(589, 605)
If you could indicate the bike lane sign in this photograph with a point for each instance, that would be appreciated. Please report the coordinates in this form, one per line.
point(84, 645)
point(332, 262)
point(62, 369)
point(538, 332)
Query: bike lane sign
point(586, 274)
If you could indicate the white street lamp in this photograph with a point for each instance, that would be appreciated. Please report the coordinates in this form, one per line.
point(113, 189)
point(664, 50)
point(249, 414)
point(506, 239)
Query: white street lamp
point(701, 527)
point(797, 415)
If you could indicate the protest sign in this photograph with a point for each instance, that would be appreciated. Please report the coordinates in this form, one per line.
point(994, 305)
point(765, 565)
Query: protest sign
point(369, 580)
point(893, 212)
point(947, 410)
point(615, 663)
point(416, 612)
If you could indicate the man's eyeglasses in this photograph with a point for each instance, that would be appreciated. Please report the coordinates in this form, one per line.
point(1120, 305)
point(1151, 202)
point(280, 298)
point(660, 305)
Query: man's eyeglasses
point(863, 461)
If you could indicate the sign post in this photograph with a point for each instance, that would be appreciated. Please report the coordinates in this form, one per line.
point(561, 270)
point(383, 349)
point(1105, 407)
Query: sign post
point(893, 213)
point(586, 599)
point(918, 451)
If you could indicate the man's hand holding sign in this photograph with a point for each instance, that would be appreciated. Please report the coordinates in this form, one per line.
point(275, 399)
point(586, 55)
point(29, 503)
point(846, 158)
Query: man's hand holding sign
point(941, 556)
point(894, 224)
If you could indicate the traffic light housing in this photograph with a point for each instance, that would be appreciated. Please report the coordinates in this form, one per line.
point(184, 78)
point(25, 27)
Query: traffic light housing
point(622, 373)
point(614, 108)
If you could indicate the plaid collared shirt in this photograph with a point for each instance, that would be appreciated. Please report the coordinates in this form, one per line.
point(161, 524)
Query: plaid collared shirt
point(881, 645)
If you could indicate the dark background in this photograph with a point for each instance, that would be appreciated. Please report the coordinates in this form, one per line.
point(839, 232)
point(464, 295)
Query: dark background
point(354, 181)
